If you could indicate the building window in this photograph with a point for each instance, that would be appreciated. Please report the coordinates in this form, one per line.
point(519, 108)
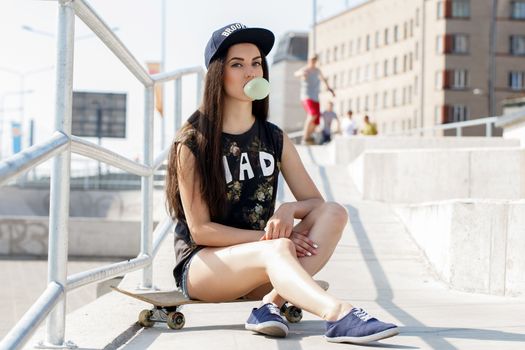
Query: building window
point(366, 103)
point(417, 17)
point(517, 45)
point(376, 70)
point(385, 99)
point(376, 101)
point(459, 113)
point(416, 84)
point(405, 30)
point(411, 28)
point(404, 96)
point(517, 10)
point(367, 73)
point(343, 79)
point(349, 104)
point(334, 83)
point(453, 113)
point(459, 79)
point(377, 39)
point(358, 75)
point(385, 39)
point(438, 119)
point(453, 9)
point(396, 34)
point(416, 50)
point(405, 63)
point(367, 43)
point(410, 61)
point(452, 43)
point(452, 79)
point(517, 80)
point(335, 54)
point(410, 94)
point(343, 52)
point(394, 66)
point(350, 48)
point(327, 55)
point(350, 76)
point(394, 97)
point(358, 46)
point(358, 105)
point(385, 68)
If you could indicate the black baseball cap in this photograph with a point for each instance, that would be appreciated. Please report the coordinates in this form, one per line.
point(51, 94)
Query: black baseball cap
point(236, 33)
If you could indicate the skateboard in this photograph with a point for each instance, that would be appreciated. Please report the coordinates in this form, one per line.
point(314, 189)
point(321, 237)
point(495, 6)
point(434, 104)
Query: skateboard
point(167, 306)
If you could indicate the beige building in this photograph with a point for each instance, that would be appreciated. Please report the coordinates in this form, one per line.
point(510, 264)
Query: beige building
point(418, 63)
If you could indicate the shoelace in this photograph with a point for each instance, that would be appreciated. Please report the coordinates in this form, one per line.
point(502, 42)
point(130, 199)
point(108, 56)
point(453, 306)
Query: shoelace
point(274, 309)
point(362, 314)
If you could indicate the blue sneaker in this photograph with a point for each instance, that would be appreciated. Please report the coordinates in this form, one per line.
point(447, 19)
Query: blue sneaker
point(267, 320)
point(358, 327)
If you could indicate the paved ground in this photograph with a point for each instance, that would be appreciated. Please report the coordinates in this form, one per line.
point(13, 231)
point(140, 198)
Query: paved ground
point(377, 266)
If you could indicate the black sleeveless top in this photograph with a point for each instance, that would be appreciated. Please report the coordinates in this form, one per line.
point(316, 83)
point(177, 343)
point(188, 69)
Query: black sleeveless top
point(252, 162)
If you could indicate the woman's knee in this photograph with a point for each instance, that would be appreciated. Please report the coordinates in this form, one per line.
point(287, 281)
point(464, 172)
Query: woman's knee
point(280, 246)
point(337, 213)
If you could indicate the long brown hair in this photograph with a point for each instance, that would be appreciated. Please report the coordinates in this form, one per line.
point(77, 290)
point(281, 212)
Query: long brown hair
point(204, 127)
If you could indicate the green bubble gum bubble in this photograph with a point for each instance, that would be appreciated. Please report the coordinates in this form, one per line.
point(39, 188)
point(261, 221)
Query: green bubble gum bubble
point(257, 88)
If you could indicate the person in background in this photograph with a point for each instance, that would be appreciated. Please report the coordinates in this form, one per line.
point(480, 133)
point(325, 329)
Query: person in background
point(348, 125)
point(328, 116)
point(311, 77)
point(369, 128)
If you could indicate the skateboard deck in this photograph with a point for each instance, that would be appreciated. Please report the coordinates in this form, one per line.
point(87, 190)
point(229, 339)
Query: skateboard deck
point(176, 298)
point(167, 305)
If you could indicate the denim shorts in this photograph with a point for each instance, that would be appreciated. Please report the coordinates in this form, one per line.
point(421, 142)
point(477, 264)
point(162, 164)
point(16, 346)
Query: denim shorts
point(184, 279)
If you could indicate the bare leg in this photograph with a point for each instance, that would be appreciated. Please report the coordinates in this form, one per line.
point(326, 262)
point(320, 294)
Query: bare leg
point(325, 225)
point(308, 128)
point(227, 273)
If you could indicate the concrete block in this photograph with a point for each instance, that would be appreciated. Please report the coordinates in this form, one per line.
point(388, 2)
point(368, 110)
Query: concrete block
point(347, 149)
point(515, 269)
point(429, 225)
point(496, 173)
point(473, 245)
point(415, 176)
point(477, 255)
point(91, 237)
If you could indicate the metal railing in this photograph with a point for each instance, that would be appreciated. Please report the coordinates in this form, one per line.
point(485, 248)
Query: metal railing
point(489, 123)
point(60, 146)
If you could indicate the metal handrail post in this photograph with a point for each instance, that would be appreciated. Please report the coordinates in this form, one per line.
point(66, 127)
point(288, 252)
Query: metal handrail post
point(488, 129)
point(59, 198)
point(178, 104)
point(146, 235)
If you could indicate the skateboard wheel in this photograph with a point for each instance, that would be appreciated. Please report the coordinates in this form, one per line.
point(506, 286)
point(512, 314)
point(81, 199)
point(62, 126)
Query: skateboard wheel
point(145, 318)
point(175, 320)
point(293, 314)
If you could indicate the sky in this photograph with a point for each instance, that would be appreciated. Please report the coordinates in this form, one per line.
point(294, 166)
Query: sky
point(189, 25)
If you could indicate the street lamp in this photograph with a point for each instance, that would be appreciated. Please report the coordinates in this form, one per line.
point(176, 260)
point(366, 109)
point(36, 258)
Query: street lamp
point(22, 79)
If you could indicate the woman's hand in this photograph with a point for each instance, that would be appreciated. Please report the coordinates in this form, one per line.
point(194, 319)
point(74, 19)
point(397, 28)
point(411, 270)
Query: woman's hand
point(304, 246)
point(280, 225)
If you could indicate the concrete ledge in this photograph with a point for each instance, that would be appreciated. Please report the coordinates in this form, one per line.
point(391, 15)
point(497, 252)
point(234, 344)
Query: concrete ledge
point(89, 237)
point(473, 245)
point(414, 176)
point(346, 150)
